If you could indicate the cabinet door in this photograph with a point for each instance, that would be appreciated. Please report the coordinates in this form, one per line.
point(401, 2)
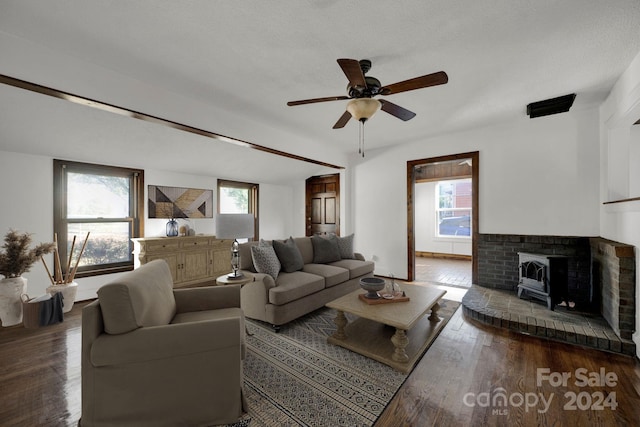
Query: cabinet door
point(172, 260)
point(195, 265)
point(221, 261)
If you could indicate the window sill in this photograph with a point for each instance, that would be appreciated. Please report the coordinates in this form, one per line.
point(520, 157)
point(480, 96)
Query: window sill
point(459, 239)
point(102, 271)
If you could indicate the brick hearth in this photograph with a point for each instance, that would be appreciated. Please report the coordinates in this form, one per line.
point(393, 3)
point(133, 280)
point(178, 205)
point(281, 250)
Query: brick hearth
point(601, 281)
point(503, 309)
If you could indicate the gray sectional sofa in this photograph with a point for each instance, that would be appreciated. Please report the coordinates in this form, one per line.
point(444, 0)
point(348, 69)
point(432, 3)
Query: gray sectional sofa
point(306, 275)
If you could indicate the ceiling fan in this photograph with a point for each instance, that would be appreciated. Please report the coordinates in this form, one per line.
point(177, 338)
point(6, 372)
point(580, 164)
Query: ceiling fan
point(362, 89)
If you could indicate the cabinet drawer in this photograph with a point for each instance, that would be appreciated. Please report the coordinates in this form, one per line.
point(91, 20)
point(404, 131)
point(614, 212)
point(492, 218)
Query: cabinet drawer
point(161, 246)
point(194, 243)
point(222, 244)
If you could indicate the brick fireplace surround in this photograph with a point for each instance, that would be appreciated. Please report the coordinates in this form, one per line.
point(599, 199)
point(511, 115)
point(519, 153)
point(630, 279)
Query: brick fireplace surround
point(601, 281)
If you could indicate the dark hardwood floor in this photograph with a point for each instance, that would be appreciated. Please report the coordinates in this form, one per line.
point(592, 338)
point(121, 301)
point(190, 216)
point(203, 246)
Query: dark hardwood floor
point(466, 365)
point(470, 364)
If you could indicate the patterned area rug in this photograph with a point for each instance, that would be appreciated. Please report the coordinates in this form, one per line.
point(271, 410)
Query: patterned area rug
point(295, 378)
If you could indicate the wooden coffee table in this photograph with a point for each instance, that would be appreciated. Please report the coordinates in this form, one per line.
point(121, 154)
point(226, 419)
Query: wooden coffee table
point(396, 334)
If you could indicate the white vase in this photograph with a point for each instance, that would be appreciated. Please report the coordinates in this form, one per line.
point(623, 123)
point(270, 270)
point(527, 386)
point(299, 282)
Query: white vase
point(11, 289)
point(68, 293)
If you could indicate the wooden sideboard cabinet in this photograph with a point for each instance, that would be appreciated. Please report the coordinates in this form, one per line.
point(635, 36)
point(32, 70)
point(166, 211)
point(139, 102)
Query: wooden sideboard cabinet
point(192, 259)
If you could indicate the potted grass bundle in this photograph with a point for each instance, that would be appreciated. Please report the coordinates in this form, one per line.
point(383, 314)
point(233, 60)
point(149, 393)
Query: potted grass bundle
point(65, 282)
point(16, 259)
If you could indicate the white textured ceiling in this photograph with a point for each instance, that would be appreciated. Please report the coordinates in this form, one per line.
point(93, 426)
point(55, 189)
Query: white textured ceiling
point(246, 59)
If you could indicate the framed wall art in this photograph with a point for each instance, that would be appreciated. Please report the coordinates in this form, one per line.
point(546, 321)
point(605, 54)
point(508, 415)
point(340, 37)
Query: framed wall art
point(177, 202)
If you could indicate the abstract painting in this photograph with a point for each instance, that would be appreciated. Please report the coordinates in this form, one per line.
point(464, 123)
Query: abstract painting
point(176, 202)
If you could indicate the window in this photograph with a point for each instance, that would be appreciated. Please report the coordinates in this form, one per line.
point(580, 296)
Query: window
point(453, 208)
point(105, 201)
point(238, 197)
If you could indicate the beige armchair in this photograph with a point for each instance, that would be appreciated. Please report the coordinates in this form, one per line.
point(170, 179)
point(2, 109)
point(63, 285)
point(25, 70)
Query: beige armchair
point(155, 356)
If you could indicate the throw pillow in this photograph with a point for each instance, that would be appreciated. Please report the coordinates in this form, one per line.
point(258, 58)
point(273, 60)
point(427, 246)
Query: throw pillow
point(345, 245)
point(265, 259)
point(325, 250)
point(289, 255)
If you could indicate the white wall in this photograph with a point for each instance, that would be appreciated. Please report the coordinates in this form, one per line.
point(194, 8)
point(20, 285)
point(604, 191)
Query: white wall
point(27, 206)
point(26, 193)
point(425, 225)
point(537, 176)
point(618, 180)
point(276, 212)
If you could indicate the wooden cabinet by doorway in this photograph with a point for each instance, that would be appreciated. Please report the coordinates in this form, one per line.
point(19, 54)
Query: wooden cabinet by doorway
point(323, 205)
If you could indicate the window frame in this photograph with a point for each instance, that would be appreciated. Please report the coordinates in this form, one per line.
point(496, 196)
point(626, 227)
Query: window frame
point(60, 220)
point(438, 209)
point(254, 193)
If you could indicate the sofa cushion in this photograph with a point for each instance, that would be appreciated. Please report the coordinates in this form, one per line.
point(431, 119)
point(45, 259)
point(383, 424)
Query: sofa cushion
point(265, 259)
point(246, 260)
point(333, 275)
point(306, 248)
point(345, 246)
point(142, 297)
point(356, 267)
point(292, 286)
point(289, 255)
point(325, 250)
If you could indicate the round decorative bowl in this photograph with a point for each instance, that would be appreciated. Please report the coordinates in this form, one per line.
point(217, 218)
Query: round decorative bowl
point(372, 285)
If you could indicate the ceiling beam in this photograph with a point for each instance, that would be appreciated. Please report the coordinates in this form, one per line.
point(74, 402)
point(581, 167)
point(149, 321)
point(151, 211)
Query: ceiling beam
point(87, 102)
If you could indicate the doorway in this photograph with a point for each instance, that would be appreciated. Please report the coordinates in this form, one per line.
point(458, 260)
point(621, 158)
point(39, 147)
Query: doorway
point(322, 206)
point(454, 220)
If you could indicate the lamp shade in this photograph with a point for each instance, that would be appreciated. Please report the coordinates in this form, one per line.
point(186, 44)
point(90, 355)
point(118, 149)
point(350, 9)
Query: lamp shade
point(362, 109)
point(234, 226)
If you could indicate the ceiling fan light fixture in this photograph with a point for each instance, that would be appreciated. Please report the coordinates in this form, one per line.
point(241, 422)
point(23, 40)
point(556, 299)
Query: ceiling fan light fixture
point(362, 109)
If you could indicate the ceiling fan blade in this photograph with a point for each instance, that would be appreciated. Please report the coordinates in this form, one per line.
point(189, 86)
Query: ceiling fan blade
point(342, 121)
point(352, 70)
point(314, 100)
point(433, 79)
point(396, 110)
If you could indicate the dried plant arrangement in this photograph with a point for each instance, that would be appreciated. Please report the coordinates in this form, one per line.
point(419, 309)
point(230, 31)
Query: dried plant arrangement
point(58, 278)
point(16, 258)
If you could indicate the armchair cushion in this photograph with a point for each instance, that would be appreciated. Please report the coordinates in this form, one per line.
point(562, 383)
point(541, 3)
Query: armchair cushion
point(206, 298)
point(126, 305)
point(166, 342)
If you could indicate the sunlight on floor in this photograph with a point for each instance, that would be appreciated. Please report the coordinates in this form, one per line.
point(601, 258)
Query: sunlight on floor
point(454, 293)
point(443, 271)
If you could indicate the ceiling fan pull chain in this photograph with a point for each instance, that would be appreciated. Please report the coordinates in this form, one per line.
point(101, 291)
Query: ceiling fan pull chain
point(361, 139)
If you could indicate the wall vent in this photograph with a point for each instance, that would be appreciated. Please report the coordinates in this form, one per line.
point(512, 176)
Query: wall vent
point(562, 104)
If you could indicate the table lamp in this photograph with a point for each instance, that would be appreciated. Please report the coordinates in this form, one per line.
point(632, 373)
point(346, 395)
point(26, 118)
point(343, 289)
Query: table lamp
point(234, 226)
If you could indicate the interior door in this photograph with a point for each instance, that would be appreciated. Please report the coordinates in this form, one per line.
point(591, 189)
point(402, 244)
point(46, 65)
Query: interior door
point(323, 205)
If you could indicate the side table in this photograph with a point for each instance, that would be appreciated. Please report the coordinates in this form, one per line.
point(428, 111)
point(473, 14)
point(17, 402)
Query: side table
point(226, 280)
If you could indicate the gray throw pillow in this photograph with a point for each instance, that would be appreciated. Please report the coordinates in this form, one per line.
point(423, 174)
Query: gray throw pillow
point(265, 259)
point(345, 245)
point(289, 255)
point(325, 250)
